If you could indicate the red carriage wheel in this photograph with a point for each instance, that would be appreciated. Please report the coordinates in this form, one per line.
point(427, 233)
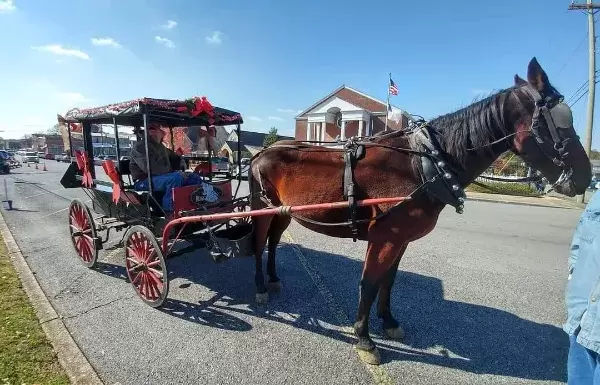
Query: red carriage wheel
point(146, 266)
point(83, 232)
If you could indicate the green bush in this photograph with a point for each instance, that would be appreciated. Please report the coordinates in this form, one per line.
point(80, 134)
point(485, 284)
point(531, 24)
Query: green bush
point(520, 189)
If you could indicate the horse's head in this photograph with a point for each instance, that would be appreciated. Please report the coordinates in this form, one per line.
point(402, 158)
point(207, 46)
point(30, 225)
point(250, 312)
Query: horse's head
point(544, 134)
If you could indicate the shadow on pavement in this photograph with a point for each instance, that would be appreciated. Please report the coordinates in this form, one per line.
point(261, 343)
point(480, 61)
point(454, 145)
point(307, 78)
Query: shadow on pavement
point(468, 337)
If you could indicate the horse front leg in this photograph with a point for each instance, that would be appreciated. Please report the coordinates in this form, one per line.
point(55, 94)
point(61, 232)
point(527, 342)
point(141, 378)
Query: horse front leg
point(391, 327)
point(380, 259)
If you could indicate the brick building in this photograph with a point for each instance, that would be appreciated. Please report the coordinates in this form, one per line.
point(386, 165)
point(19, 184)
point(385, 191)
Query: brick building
point(344, 113)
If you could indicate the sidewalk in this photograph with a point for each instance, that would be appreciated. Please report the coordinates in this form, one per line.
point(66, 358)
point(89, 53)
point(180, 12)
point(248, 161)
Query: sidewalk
point(544, 201)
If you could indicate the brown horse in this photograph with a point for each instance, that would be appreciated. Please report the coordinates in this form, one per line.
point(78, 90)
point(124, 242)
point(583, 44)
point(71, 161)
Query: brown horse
point(528, 119)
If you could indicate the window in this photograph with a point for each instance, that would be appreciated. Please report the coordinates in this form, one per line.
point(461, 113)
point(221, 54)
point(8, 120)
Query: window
point(338, 119)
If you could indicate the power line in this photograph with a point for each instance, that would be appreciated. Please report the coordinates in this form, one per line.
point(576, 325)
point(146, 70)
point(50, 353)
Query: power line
point(572, 53)
point(574, 95)
point(581, 96)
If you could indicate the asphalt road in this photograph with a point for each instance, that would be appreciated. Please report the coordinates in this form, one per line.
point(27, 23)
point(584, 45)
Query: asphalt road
point(480, 298)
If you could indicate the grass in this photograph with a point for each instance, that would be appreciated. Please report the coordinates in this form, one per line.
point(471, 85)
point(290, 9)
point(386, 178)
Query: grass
point(519, 189)
point(26, 356)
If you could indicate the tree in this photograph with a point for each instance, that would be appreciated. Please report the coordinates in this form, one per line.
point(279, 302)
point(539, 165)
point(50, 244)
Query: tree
point(595, 154)
point(54, 130)
point(271, 137)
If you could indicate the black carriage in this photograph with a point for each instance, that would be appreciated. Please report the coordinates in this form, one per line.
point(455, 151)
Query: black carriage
point(121, 207)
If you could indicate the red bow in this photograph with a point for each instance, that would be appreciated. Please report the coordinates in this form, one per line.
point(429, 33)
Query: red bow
point(200, 105)
point(84, 166)
point(179, 151)
point(111, 171)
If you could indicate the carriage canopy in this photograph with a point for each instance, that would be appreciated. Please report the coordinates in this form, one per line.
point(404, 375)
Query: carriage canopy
point(196, 111)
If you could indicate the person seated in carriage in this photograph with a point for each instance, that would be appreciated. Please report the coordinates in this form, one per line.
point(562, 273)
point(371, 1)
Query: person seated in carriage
point(165, 166)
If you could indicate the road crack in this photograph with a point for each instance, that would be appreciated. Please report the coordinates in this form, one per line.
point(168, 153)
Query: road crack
point(98, 306)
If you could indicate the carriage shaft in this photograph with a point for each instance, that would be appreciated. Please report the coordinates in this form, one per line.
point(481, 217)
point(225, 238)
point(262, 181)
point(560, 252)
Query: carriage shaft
point(280, 210)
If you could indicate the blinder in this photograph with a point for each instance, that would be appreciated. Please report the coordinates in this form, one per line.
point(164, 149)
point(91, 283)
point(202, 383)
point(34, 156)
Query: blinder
point(557, 117)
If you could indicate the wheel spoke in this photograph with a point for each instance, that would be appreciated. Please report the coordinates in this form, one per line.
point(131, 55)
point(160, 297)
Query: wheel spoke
point(154, 263)
point(155, 275)
point(136, 279)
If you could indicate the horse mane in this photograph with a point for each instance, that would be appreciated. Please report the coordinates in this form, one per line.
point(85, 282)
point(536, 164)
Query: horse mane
point(472, 127)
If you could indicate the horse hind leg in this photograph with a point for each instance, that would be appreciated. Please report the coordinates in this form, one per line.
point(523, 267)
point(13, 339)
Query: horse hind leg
point(261, 231)
point(278, 226)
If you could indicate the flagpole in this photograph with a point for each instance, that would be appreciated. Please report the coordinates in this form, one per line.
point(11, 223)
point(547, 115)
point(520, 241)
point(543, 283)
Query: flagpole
point(387, 107)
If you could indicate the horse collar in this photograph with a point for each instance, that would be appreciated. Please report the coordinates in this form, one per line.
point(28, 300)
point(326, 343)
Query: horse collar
point(440, 180)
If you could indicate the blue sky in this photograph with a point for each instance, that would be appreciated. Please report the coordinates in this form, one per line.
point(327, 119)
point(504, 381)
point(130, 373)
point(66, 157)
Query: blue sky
point(270, 59)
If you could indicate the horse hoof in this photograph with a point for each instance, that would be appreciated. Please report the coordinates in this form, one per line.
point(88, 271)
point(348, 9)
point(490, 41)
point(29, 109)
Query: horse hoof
point(370, 357)
point(262, 298)
point(275, 285)
point(394, 333)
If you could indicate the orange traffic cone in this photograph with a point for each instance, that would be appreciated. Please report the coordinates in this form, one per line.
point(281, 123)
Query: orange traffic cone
point(36, 167)
point(28, 164)
point(45, 169)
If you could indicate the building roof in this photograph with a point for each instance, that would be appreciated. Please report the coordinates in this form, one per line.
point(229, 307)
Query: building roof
point(353, 96)
point(256, 139)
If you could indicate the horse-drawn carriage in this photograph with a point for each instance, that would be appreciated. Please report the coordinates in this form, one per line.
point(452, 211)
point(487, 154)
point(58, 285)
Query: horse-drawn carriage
point(387, 189)
point(122, 207)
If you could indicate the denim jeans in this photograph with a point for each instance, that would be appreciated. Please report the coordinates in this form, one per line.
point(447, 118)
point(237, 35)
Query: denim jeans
point(166, 182)
point(583, 365)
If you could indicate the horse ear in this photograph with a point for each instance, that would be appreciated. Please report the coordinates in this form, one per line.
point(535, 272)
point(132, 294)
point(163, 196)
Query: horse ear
point(519, 81)
point(536, 75)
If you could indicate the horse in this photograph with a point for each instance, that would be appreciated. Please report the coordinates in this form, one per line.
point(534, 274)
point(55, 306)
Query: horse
point(528, 118)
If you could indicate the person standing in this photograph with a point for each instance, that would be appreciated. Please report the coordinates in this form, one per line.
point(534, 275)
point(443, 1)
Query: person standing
point(583, 299)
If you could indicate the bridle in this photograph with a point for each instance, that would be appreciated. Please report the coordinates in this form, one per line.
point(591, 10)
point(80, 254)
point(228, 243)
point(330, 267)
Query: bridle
point(557, 116)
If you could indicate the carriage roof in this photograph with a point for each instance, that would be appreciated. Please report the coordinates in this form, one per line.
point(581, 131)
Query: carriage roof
point(166, 112)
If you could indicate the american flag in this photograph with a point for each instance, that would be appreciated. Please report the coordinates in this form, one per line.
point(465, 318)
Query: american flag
point(393, 88)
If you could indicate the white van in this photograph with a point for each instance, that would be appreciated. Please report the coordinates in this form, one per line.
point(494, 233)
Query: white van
point(30, 157)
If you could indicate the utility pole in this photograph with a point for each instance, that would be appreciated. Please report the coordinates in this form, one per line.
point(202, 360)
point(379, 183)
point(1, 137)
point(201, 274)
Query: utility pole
point(590, 9)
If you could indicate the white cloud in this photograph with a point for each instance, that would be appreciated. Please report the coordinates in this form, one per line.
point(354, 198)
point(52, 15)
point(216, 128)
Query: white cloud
point(58, 49)
point(254, 118)
point(287, 111)
point(275, 118)
point(215, 38)
point(7, 6)
point(105, 41)
point(164, 41)
point(170, 24)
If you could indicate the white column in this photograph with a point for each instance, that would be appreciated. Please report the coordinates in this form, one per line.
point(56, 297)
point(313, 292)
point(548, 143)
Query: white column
point(360, 128)
point(343, 133)
point(323, 128)
point(308, 136)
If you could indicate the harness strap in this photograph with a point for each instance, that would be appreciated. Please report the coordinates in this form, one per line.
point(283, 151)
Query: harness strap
point(353, 152)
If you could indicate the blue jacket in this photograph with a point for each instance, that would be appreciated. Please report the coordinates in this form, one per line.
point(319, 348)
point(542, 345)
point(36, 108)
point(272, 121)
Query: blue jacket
point(583, 286)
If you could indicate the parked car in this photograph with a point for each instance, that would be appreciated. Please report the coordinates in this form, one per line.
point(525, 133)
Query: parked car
point(245, 167)
point(30, 157)
point(99, 159)
point(218, 166)
point(49, 156)
point(41, 155)
point(62, 158)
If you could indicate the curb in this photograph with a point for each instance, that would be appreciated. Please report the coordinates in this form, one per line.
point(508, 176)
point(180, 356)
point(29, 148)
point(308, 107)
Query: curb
point(541, 204)
point(70, 357)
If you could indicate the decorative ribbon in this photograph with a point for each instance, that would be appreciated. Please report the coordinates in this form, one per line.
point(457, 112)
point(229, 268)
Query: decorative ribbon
point(111, 171)
point(200, 105)
point(84, 166)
